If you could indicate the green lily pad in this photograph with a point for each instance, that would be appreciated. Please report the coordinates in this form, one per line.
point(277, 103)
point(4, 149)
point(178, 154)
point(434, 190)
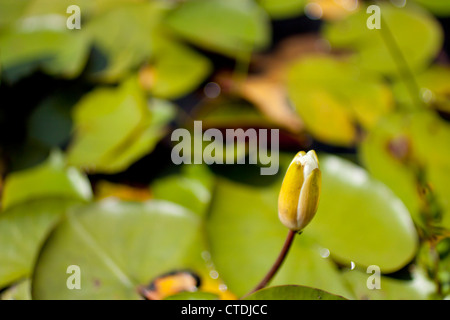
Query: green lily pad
point(332, 95)
point(10, 11)
point(292, 292)
point(282, 9)
point(230, 27)
point(136, 39)
point(390, 289)
point(89, 8)
point(437, 7)
point(433, 89)
point(20, 291)
point(172, 60)
point(245, 237)
point(403, 144)
point(118, 246)
point(50, 179)
point(144, 139)
point(23, 229)
point(410, 32)
point(57, 52)
point(191, 189)
point(193, 296)
point(359, 219)
point(115, 127)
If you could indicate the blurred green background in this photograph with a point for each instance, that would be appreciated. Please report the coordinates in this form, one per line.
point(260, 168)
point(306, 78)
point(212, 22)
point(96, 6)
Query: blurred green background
point(86, 176)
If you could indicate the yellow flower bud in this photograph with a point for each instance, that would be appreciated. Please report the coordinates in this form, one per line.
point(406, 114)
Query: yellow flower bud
point(300, 191)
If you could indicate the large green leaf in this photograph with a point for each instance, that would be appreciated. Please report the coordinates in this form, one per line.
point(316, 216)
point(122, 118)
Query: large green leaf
point(40, 38)
point(405, 148)
point(419, 288)
point(383, 164)
point(193, 296)
point(20, 291)
point(359, 219)
point(102, 120)
point(114, 127)
point(118, 246)
point(438, 7)
point(407, 34)
point(57, 52)
point(172, 60)
point(282, 9)
point(230, 27)
point(144, 139)
point(136, 39)
point(23, 229)
point(11, 10)
point(89, 8)
point(332, 96)
point(292, 292)
point(433, 89)
point(245, 237)
point(191, 189)
point(50, 179)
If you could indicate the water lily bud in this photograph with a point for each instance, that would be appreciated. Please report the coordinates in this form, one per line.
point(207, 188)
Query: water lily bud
point(300, 191)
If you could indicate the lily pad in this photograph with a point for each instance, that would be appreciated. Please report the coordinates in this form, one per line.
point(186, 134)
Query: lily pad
point(57, 52)
point(292, 293)
point(144, 139)
point(118, 246)
point(437, 7)
point(172, 60)
point(133, 27)
point(358, 220)
point(400, 147)
point(419, 288)
point(282, 9)
point(361, 220)
point(50, 179)
point(191, 189)
point(20, 291)
point(409, 32)
point(207, 24)
point(331, 96)
point(23, 229)
point(193, 296)
point(433, 89)
point(10, 11)
point(245, 237)
point(114, 127)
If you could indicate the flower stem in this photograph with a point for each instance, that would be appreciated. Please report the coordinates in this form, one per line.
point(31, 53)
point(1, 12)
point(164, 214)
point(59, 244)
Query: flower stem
point(276, 266)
